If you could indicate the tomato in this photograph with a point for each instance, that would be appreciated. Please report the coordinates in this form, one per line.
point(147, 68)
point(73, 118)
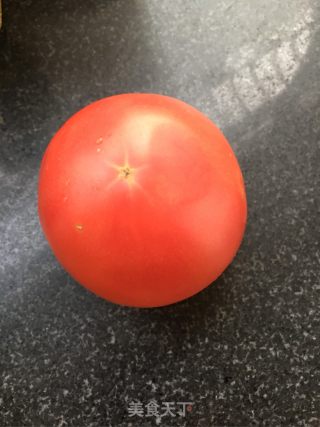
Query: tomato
point(142, 199)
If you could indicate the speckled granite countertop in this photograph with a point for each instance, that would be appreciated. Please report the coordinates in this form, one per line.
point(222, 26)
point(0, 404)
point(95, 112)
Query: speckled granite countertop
point(246, 350)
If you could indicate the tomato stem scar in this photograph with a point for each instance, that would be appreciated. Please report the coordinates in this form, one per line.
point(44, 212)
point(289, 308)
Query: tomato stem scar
point(125, 172)
point(79, 227)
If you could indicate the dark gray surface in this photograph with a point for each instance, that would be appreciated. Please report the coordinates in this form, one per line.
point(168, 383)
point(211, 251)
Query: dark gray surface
point(246, 350)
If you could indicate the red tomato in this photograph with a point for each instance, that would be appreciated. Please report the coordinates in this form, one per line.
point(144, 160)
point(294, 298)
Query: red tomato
point(142, 199)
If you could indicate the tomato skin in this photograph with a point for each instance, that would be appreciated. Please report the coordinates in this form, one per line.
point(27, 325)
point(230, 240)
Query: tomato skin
point(142, 199)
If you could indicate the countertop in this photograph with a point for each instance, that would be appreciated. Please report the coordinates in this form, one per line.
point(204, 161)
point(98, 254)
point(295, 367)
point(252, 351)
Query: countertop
point(245, 351)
